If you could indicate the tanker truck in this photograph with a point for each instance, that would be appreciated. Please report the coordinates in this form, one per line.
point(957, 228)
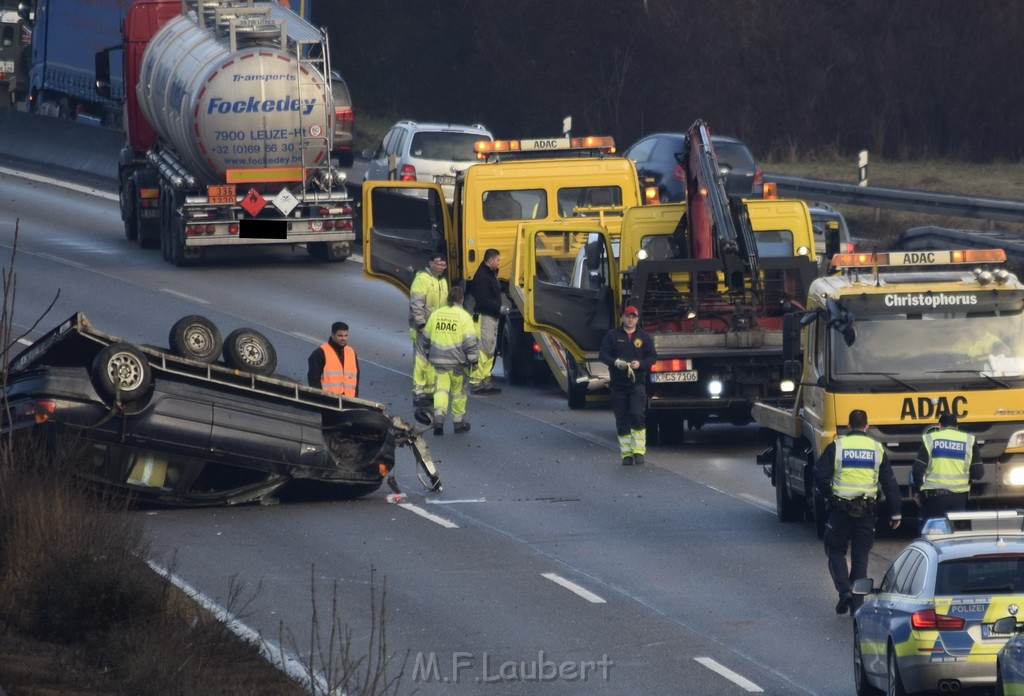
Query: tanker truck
point(228, 123)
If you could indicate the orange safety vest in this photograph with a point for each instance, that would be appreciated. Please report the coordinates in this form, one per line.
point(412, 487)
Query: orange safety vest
point(336, 378)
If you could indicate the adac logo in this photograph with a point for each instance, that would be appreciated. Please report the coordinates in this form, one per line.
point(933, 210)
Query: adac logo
point(923, 408)
point(637, 343)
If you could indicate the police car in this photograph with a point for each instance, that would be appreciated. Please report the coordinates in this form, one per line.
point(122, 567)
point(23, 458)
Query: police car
point(1010, 660)
point(929, 626)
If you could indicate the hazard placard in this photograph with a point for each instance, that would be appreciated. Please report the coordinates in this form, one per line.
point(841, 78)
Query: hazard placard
point(253, 202)
point(285, 201)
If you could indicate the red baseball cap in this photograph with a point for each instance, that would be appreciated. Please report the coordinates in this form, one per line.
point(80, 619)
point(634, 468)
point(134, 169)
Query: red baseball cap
point(630, 309)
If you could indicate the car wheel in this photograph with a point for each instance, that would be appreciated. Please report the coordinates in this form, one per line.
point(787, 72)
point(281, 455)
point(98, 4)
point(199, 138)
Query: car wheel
point(121, 372)
point(860, 675)
point(788, 508)
point(249, 350)
point(508, 362)
point(195, 337)
point(576, 392)
point(893, 669)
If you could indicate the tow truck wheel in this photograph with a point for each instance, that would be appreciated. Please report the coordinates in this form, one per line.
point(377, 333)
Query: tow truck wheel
point(249, 350)
point(121, 372)
point(195, 337)
point(786, 507)
point(508, 362)
point(576, 392)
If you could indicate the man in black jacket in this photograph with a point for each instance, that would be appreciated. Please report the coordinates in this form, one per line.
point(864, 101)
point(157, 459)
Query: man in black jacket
point(486, 291)
point(629, 353)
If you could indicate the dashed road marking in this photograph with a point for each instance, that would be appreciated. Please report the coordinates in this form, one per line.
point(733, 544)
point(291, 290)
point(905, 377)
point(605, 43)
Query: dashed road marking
point(62, 184)
point(184, 296)
point(454, 502)
point(736, 679)
point(574, 588)
point(436, 519)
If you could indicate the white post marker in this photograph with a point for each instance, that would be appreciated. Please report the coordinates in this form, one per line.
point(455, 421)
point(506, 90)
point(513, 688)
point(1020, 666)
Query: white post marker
point(567, 126)
point(862, 168)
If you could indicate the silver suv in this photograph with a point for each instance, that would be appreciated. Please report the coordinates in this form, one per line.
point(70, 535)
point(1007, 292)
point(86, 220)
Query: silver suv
point(429, 152)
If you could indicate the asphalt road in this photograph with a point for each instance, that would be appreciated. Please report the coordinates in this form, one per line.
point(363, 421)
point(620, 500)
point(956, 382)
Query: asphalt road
point(542, 560)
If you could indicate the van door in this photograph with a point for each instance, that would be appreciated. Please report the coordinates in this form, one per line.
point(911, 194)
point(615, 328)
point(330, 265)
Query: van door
point(403, 223)
point(567, 284)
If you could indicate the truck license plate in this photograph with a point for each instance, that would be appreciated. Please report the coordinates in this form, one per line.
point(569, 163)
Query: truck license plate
point(221, 195)
point(688, 376)
point(445, 180)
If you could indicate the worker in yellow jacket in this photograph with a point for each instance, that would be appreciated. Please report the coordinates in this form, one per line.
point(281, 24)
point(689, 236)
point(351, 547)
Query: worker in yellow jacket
point(429, 291)
point(449, 341)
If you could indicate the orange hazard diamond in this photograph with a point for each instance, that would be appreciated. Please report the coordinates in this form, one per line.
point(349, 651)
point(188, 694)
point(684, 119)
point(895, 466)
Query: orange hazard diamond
point(253, 202)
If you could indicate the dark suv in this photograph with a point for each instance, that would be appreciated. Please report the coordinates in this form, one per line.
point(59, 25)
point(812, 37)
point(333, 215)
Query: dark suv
point(655, 156)
point(176, 429)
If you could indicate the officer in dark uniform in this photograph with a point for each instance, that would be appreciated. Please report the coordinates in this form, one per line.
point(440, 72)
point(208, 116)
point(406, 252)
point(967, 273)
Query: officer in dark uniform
point(848, 474)
point(948, 460)
point(629, 353)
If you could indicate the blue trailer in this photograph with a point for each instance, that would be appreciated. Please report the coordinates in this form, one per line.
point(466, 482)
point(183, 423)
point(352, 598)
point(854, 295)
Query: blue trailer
point(66, 36)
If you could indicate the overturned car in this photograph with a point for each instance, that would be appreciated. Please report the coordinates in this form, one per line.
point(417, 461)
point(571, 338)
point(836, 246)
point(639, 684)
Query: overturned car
point(174, 427)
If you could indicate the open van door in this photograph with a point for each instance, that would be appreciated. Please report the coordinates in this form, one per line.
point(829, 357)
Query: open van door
point(403, 223)
point(567, 284)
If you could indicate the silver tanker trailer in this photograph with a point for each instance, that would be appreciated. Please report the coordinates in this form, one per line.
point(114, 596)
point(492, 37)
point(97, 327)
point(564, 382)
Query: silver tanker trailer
point(229, 120)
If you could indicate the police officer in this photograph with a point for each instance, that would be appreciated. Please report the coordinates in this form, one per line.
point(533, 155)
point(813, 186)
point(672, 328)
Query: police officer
point(629, 353)
point(449, 342)
point(334, 366)
point(948, 460)
point(848, 474)
point(429, 291)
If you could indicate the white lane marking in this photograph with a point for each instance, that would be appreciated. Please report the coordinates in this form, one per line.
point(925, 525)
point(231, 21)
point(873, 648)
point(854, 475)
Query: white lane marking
point(184, 296)
point(453, 502)
point(574, 588)
point(277, 655)
point(62, 184)
point(67, 262)
point(736, 679)
point(307, 337)
point(429, 515)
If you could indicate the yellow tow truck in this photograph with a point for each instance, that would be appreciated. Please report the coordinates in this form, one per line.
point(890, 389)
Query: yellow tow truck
point(906, 336)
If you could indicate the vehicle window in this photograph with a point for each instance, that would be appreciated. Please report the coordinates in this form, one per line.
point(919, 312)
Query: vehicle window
point(387, 146)
point(501, 205)
point(641, 151)
point(660, 247)
point(980, 575)
point(8, 38)
point(918, 577)
point(575, 201)
point(734, 155)
point(902, 584)
point(339, 90)
point(774, 242)
point(666, 149)
point(445, 146)
point(398, 146)
point(889, 580)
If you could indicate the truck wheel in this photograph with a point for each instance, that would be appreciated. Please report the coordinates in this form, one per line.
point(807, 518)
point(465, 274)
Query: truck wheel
point(127, 196)
point(329, 251)
point(121, 372)
point(195, 337)
point(147, 231)
point(249, 350)
point(576, 392)
point(508, 362)
point(787, 507)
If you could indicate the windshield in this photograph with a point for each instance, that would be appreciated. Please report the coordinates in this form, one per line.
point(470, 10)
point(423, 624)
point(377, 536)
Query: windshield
point(932, 346)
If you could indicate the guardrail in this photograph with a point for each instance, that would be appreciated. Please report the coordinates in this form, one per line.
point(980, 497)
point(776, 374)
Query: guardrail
point(898, 199)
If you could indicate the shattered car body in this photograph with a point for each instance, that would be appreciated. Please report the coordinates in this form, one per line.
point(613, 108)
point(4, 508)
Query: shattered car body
point(174, 430)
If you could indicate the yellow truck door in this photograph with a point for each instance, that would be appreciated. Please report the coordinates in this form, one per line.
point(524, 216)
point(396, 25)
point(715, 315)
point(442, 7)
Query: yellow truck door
point(566, 283)
point(403, 223)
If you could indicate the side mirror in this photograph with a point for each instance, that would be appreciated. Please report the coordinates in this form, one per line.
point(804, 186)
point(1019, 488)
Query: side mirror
point(103, 73)
point(831, 239)
point(1006, 625)
point(792, 325)
point(864, 586)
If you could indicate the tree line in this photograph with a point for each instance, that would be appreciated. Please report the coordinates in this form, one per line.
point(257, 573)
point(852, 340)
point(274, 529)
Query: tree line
point(902, 78)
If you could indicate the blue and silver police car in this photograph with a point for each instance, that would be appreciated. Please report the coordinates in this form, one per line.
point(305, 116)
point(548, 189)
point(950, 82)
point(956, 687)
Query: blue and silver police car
point(928, 627)
point(1010, 660)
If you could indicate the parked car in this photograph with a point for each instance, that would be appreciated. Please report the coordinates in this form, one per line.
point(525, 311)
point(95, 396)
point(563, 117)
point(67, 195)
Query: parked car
point(432, 152)
point(823, 217)
point(178, 428)
point(1010, 660)
point(654, 156)
point(344, 121)
point(930, 625)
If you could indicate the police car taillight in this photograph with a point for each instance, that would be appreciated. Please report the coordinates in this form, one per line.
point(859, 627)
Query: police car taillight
point(928, 620)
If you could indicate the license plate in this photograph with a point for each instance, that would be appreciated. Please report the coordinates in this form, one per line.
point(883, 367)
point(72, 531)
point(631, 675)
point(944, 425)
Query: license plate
point(6, 66)
point(688, 376)
point(987, 632)
point(149, 213)
point(221, 195)
point(445, 180)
